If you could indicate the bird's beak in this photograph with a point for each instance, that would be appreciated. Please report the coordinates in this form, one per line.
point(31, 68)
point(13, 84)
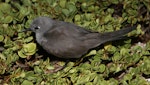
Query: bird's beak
point(25, 30)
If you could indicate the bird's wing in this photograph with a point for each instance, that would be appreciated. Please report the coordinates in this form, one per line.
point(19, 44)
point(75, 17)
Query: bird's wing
point(64, 41)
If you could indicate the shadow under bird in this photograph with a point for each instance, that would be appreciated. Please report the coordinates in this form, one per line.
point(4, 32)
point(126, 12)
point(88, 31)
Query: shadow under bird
point(67, 40)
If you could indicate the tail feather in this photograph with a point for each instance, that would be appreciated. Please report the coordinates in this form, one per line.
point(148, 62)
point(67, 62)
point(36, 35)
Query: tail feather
point(110, 36)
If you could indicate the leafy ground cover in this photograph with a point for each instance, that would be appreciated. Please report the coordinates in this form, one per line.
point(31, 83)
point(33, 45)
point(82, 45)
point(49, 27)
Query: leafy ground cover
point(124, 62)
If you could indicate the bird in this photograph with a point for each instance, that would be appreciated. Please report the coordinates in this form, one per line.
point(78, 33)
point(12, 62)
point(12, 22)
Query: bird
point(67, 40)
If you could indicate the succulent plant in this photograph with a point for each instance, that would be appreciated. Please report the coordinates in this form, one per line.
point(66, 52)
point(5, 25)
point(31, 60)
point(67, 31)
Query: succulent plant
point(124, 62)
point(27, 50)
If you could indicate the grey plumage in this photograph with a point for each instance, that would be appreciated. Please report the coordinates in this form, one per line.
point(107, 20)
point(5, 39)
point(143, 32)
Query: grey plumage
point(67, 40)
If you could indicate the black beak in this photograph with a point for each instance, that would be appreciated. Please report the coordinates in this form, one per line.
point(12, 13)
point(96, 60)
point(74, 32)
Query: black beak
point(25, 30)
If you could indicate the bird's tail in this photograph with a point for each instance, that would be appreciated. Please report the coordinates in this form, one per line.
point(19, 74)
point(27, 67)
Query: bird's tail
point(111, 36)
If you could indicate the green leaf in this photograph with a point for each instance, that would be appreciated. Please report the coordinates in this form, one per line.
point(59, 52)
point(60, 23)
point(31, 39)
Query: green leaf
point(124, 51)
point(1, 38)
point(77, 17)
point(83, 79)
point(62, 3)
point(26, 2)
point(115, 1)
point(92, 52)
point(8, 19)
point(72, 8)
point(2, 57)
point(65, 12)
point(21, 54)
point(28, 49)
point(24, 11)
point(31, 47)
point(5, 8)
point(37, 69)
point(107, 18)
point(29, 39)
point(84, 5)
point(127, 77)
point(26, 82)
point(102, 67)
point(116, 57)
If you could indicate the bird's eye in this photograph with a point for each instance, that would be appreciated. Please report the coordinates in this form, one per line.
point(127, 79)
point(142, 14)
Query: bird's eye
point(37, 27)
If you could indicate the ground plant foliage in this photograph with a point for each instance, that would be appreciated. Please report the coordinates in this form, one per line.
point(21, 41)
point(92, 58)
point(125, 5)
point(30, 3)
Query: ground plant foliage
point(123, 62)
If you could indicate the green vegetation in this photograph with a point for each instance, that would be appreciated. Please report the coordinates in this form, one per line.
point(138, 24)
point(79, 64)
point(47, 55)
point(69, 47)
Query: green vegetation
point(125, 62)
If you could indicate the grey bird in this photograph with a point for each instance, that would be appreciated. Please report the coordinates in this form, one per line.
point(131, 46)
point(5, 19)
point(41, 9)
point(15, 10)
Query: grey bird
point(67, 40)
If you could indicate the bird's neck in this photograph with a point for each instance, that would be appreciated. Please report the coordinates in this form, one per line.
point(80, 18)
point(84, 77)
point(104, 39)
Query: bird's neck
point(40, 38)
